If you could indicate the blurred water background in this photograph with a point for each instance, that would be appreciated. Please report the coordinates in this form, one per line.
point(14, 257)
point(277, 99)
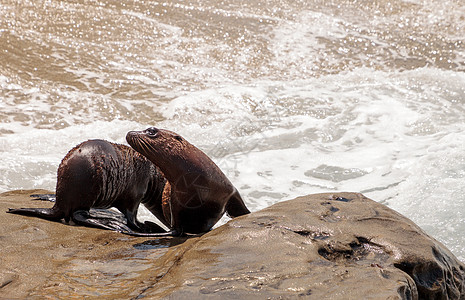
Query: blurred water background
point(287, 97)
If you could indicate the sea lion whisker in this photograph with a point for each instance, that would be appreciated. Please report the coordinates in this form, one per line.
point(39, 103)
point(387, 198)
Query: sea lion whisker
point(146, 147)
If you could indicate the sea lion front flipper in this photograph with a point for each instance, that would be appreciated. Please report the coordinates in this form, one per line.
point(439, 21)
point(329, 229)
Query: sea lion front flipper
point(236, 206)
point(146, 227)
point(151, 227)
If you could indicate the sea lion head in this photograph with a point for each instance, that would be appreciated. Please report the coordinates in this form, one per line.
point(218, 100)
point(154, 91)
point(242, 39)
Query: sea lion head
point(173, 154)
point(159, 145)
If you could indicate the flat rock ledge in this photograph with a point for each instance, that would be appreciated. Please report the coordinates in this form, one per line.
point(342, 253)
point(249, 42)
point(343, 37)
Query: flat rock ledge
point(322, 246)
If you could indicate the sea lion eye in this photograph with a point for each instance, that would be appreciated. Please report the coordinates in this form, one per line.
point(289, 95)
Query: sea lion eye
point(178, 138)
point(151, 131)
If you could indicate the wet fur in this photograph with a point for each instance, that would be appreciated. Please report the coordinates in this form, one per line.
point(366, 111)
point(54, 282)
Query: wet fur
point(197, 193)
point(100, 174)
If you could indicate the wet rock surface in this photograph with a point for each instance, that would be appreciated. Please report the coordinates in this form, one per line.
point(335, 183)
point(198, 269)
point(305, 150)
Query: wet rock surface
point(44, 258)
point(336, 246)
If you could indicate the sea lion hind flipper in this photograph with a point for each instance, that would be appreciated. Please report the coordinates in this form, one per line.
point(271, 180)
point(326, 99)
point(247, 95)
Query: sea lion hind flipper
point(236, 206)
point(44, 197)
point(84, 218)
point(44, 213)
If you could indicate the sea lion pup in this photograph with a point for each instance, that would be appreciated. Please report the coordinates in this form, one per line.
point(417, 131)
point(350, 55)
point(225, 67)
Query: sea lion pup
point(197, 193)
point(100, 174)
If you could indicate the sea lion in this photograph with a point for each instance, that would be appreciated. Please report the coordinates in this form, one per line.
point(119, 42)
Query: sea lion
point(197, 193)
point(100, 174)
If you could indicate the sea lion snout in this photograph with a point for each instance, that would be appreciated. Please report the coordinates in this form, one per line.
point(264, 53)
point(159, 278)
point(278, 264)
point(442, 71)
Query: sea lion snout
point(133, 135)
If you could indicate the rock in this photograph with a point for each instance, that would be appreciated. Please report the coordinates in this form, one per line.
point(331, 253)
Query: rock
point(332, 246)
point(44, 259)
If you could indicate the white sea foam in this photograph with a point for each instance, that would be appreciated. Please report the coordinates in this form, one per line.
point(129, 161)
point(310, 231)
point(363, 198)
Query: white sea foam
point(361, 131)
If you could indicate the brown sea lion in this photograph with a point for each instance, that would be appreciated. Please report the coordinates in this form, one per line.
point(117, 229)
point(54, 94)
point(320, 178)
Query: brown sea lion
point(100, 174)
point(197, 193)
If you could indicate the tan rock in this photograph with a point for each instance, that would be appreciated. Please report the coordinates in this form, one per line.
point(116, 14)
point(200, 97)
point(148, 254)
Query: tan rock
point(41, 258)
point(333, 246)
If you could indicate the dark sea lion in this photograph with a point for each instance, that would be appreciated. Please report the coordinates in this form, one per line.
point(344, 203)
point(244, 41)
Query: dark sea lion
point(99, 174)
point(197, 193)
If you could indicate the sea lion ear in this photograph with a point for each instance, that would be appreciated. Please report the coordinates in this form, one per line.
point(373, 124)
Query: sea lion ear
point(179, 138)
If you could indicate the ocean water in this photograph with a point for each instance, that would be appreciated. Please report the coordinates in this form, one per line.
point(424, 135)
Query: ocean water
point(288, 97)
